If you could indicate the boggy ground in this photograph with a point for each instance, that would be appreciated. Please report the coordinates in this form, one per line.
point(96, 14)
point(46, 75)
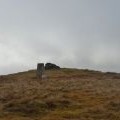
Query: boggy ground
point(66, 94)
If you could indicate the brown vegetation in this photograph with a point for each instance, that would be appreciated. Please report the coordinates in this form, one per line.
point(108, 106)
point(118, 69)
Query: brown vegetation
point(66, 94)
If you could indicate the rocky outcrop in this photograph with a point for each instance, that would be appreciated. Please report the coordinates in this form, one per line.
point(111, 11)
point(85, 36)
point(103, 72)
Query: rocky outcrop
point(49, 66)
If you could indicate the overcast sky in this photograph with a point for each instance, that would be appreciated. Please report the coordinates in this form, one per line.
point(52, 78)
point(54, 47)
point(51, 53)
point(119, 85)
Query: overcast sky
point(70, 33)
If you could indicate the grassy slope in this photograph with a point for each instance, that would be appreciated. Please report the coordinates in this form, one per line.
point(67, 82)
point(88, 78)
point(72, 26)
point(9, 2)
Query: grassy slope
point(66, 94)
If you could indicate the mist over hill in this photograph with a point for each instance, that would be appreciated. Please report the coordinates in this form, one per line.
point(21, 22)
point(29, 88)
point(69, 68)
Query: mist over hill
point(72, 33)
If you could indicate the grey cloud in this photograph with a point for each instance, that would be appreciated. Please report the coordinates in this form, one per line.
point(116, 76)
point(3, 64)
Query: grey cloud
point(71, 33)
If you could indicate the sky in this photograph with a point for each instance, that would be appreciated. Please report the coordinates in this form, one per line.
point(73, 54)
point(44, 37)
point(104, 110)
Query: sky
point(81, 34)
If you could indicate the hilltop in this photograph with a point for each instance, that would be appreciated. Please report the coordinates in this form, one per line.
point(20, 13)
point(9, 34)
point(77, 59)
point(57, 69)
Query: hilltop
point(65, 94)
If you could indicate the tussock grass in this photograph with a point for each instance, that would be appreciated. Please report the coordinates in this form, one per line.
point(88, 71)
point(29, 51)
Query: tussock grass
point(66, 94)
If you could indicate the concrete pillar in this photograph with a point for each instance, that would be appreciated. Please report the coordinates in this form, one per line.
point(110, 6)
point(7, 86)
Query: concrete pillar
point(40, 70)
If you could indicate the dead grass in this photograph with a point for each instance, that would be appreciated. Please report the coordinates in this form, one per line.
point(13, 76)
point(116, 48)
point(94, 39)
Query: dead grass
point(66, 94)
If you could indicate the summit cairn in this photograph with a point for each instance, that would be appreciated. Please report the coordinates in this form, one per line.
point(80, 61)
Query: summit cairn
point(41, 69)
point(49, 66)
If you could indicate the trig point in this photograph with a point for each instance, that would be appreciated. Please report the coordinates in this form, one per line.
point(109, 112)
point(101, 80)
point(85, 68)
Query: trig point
point(40, 70)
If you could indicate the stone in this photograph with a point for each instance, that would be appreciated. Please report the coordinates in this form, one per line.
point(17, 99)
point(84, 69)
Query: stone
point(49, 66)
point(40, 70)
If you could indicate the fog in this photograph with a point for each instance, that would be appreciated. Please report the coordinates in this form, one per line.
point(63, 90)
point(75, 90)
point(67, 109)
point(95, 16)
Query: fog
point(81, 34)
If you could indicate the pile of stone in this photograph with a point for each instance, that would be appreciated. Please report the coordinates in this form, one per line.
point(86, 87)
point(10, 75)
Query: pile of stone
point(41, 68)
point(49, 66)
